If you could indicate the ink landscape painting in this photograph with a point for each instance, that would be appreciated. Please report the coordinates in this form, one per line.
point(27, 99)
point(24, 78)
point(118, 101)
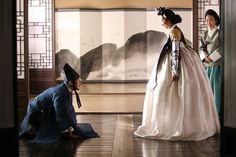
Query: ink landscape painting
point(111, 45)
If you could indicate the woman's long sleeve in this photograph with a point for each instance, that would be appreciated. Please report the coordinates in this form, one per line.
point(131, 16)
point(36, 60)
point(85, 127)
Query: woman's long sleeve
point(175, 38)
point(202, 48)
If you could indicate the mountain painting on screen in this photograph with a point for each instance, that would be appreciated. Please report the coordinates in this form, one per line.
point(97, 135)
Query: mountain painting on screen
point(133, 61)
point(111, 45)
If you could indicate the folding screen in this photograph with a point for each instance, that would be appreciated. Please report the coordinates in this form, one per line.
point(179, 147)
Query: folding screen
point(111, 44)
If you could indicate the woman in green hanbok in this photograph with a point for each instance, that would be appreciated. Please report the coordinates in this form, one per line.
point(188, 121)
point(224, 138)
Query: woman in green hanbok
point(211, 54)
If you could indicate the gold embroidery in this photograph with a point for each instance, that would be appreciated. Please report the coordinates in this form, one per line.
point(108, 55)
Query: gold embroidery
point(175, 34)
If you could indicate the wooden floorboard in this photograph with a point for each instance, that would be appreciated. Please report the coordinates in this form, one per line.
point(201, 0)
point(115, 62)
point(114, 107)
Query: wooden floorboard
point(116, 129)
point(112, 103)
point(112, 88)
point(117, 140)
point(123, 142)
point(110, 98)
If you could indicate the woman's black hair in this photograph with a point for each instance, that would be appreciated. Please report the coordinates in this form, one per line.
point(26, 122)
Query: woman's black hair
point(214, 14)
point(170, 15)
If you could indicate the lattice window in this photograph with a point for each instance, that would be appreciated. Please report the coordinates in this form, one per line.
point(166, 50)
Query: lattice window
point(40, 33)
point(203, 6)
point(20, 39)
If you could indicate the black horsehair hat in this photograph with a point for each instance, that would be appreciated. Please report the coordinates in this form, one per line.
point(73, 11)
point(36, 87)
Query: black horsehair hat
point(70, 73)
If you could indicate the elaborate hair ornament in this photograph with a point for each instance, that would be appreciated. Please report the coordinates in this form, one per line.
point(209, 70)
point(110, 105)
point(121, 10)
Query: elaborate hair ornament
point(161, 11)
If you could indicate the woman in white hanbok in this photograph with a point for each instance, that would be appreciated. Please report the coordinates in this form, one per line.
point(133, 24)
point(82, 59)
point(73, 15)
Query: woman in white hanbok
point(179, 103)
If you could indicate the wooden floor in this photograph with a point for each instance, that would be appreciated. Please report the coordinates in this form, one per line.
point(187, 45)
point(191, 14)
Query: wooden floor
point(117, 140)
point(114, 110)
point(111, 97)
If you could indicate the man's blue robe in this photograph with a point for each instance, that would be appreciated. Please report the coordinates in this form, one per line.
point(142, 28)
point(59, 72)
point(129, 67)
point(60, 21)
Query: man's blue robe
point(51, 113)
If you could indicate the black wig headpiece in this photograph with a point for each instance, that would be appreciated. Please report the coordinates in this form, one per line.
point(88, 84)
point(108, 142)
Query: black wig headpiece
point(169, 14)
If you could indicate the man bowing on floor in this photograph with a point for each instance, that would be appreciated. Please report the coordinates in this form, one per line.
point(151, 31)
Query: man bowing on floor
point(51, 113)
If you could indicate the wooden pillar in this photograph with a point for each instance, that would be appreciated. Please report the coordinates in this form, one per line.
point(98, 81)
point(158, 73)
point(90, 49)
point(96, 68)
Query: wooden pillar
point(228, 36)
point(195, 25)
point(8, 112)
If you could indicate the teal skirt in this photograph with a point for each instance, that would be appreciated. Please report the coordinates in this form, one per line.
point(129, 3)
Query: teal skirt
point(215, 76)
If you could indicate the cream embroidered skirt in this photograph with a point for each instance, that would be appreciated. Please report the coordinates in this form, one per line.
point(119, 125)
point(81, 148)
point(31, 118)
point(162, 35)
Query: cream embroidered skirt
point(183, 109)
